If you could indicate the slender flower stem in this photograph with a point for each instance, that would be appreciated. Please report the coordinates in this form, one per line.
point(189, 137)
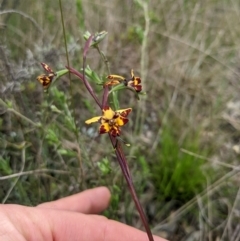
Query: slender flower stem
point(123, 164)
point(105, 96)
point(86, 83)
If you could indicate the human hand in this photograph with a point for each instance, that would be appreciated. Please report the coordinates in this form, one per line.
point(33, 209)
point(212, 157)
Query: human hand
point(68, 219)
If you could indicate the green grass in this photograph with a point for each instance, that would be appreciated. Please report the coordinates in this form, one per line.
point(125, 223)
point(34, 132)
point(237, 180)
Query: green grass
point(176, 175)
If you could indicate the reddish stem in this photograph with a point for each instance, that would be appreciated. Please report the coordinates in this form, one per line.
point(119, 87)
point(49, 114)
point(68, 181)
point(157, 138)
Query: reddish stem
point(123, 164)
point(86, 83)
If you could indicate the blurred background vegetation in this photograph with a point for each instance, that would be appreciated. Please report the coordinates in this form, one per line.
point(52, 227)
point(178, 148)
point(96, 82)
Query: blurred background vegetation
point(184, 133)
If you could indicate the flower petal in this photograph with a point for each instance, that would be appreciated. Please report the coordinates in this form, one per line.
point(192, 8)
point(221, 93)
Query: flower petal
point(108, 113)
point(112, 82)
point(115, 77)
point(121, 121)
point(132, 74)
point(47, 68)
point(137, 80)
point(115, 131)
point(124, 112)
point(94, 119)
point(45, 80)
point(135, 83)
point(104, 128)
point(138, 88)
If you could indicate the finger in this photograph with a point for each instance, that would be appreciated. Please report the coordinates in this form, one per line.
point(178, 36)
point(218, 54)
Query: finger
point(83, 227)
point(90, 201)
point(52, 224)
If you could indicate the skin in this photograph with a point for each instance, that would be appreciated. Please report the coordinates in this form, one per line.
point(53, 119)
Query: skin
point(72, 218)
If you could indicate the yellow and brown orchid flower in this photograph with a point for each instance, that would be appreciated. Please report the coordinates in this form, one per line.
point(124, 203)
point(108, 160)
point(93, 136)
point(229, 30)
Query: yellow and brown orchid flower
point(46, 79)
point(111, 120)
point(134, 82)
point(114, 79)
